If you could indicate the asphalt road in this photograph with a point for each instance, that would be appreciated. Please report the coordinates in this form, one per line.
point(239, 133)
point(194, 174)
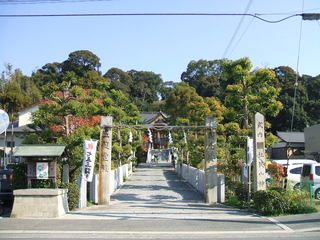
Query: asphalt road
point(156, 204)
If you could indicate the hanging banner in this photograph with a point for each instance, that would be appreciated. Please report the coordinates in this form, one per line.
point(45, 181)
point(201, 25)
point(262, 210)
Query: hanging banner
point(130, 139)
point(170, 141)
point(42, 170)
point(249, 151)
point(90, 148)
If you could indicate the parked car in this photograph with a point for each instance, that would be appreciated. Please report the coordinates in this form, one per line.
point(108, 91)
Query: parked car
point(310, 178)
point(284, 162)
point(293, 170)
point(6, 188)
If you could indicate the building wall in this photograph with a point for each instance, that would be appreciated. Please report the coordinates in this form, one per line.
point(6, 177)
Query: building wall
point(25, 117)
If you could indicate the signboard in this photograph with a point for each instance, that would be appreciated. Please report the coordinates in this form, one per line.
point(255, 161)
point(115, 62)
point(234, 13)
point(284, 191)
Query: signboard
point(259, 159)
point(4, 121)
point(42, 170)
point(90, 148)
point(312, 139)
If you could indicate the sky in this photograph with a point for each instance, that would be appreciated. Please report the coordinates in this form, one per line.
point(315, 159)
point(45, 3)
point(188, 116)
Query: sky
point(162, 44)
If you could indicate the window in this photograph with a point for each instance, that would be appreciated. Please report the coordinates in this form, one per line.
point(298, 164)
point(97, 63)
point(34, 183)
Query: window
point(10, 144)
point(318, 170)
point(306, 170)
point(296, 170)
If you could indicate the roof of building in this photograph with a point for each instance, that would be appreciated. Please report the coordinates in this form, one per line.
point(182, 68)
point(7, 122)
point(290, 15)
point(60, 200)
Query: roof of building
point(291, 137)
point(285, 145)
point(36, 150)
point(151, 117)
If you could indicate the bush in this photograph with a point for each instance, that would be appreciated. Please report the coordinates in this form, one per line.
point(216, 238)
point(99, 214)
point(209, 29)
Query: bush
point(73, 194)
point(236, 194)
point(20, 176)
point(42, 183)
point(270, 202)
point(241, 191)
point(299, 202)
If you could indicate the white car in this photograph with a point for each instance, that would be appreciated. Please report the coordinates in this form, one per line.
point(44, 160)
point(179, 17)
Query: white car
point(310, 178)
point(293, 170)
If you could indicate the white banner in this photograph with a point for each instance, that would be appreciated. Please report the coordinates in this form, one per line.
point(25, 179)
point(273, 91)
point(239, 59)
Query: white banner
point(42, 170)
point(249, 151)
point(90, 148)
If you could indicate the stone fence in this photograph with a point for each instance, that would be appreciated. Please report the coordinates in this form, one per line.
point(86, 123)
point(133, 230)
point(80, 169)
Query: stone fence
point(118, 176)
point(196, 178)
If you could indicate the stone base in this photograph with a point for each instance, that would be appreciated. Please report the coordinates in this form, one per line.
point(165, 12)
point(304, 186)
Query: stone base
point(39, 203)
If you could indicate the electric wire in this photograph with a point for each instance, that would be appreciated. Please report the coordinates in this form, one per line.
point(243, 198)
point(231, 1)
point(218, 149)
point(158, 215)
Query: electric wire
point(144, 14)
point(236, 30)
point(242, 35)
point(25, 2)
point(297, 73)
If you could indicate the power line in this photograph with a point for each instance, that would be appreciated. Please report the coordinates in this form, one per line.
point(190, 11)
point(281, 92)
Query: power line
point(297, 70)
point(256, 15)
point(237, 29)
point(242, 35)
point(20, 2)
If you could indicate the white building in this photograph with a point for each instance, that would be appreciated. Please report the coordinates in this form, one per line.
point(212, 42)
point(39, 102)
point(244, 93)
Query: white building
point(15, 134)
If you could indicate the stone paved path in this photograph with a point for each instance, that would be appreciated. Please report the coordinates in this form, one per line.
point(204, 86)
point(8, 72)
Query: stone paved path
point(157, 192)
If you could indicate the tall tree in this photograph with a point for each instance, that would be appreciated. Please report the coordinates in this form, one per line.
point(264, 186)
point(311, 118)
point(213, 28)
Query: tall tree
point(120, 80)
point(286, 78)
point(146, 87)
point(249, 92)
point(185, 103)
point(206, 77)
point(81, 62)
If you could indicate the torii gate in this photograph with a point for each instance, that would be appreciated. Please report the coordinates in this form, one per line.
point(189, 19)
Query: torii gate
point(211, 177)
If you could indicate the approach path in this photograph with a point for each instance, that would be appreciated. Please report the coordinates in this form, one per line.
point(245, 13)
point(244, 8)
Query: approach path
point(154, 203)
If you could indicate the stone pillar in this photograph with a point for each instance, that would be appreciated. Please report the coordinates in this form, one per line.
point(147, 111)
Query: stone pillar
point(259, 159)
point(105, 161)
point(211, 177)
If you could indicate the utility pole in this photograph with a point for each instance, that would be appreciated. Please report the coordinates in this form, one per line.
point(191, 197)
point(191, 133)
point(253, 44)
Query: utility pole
point(105, 161)
point(211, 177)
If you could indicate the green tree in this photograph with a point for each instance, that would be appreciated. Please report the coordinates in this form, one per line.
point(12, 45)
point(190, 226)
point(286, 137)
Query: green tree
point(184, 102)
point(18, 91)
point(286, 78)
point(249, 92)
point(146, 87)
point(206, 77)
point(81, 62)
point(120, 80)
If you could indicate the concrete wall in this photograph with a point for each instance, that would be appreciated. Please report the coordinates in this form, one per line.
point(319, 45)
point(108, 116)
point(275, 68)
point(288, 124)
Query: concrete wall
point(118, 176)
point(39, 203)
point(193, 176)
point(196, 178)
point(25, 116)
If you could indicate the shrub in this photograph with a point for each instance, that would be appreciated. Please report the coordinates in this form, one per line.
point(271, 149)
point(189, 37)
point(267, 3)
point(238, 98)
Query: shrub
point(236, 194)
point(20, 176)
point(241, 191)
point(42, 183)
point(270, 202)
point(73, 194)
point(299, 202)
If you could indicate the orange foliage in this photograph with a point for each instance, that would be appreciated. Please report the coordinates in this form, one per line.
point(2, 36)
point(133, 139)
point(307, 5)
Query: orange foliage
point(76, 122)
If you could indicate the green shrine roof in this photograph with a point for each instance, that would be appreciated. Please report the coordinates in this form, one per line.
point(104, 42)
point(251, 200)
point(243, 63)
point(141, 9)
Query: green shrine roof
point(39, 151)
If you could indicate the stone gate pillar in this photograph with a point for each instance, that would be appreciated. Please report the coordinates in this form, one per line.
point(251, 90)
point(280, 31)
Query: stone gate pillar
point(211, 177)
point(105, 161)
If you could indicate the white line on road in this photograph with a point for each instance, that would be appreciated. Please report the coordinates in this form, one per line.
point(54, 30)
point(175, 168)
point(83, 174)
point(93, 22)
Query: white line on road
point(138, 232)
point(279, 224)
